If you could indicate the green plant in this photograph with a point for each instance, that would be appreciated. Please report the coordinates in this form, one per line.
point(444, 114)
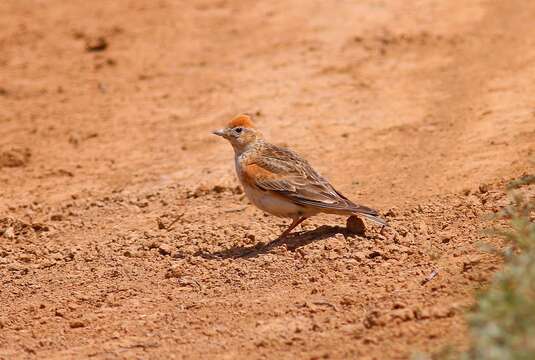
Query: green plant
point(503, 323)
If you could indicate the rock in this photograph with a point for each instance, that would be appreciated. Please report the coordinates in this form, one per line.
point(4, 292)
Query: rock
point(165, 249)
point(440, 312)
point(25, 258)
point(218, 189)
point(75, 324)
point(359, 256)
point(373, 318)
point(56, 217)
point(174, 271)
point(402, 314)
point(355, 225)
point(374, 254)
point(96, 44)
point(15, 157)
point(470, 262)
point(445, 238)
point(483, 188)
point(9, 233)
point(201, 190)
point(337, 236)
point(40, 227)
point(392, 212)
point(422, 227)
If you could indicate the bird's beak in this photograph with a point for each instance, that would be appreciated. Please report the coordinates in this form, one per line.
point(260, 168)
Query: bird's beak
point(220, 132)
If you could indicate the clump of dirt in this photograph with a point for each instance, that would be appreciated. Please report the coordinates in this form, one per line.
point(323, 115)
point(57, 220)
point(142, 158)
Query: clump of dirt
point(93, 44)
point(15, 157)
point(11, 228)
point(355, 225)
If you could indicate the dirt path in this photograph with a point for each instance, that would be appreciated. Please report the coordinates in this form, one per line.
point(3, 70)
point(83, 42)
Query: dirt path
point(422, 110)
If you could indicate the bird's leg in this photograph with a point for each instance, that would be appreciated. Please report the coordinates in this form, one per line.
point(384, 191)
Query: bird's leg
point(294, 223)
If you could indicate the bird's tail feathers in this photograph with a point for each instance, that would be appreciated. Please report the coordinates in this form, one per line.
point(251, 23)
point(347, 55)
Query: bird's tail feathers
point(374, 218)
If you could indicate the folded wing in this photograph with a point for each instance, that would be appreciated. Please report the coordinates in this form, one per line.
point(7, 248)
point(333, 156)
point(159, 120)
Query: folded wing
point(283, 171)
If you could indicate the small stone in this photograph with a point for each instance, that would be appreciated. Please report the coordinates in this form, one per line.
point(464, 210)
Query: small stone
point(445, 238)
point(372, 319)
point(402, 314)
point(142, 203)
point(422, 227)
point(374, 254)
point(398, 305)
point(56, 217)
point(359, 256)
point(40, 227)
point(174, 271)
point(9, 233)
point(409, 238)
point(392, 212)
point(164, 249)
point(75, 324)
point(96, 44)
point(483, 188)
point(201, 190)
point(338, 236)
point(25, 258)
point(440, 312)
point(355, 225)
point(15, 157)
point(128, 253)
point(161, 224)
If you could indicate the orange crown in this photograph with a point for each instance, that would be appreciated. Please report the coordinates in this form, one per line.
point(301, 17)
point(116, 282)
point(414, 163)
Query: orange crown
point(241, 120)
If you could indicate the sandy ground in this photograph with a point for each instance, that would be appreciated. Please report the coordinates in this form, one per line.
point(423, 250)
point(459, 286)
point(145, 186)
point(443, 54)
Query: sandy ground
point(421, 109)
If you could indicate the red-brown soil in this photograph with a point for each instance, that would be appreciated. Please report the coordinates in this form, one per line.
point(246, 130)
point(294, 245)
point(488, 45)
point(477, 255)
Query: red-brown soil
point(423, 110)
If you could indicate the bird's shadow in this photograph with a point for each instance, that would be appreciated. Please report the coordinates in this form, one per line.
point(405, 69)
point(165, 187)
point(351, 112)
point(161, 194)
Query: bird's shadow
point(292, 242)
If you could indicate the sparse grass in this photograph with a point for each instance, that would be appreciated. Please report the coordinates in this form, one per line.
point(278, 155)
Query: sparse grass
point(502, 323)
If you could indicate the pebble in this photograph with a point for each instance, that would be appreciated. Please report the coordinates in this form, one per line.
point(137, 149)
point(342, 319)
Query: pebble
point(96, 44)
point(9, 233)
point(56, 217)
point(374, 254)
point(445, 238)
point(75, 324)
point(174, 271)
point(392, 212)
point(355, 225)
point(164, 249)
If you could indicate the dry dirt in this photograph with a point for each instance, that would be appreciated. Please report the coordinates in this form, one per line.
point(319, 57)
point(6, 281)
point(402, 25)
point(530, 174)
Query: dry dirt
point(421, 109)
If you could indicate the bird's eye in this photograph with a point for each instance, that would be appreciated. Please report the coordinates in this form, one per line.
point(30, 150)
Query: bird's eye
point(238, 130)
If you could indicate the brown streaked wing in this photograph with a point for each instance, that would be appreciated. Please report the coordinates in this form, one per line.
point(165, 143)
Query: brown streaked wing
point(285, 172)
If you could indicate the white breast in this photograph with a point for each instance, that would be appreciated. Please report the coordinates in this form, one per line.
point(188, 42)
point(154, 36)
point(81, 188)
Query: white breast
point(274, 205)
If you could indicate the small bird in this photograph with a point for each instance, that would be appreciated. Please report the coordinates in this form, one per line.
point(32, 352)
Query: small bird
point(282, 183)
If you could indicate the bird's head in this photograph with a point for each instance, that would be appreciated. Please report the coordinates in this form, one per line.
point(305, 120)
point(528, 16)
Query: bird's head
point(240, 132)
